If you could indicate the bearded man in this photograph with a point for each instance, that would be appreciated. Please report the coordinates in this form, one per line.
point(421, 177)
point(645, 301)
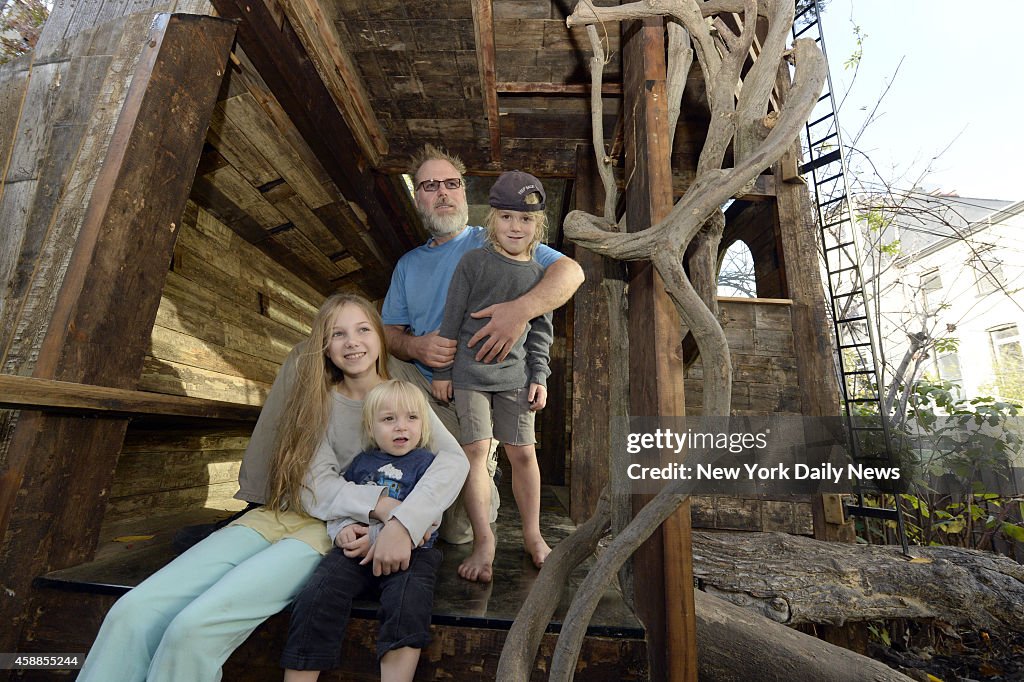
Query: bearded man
point(414, 307)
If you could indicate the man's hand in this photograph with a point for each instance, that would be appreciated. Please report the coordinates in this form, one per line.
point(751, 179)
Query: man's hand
point(433, 350)
point(508, 322)
point(442, 390)
point(391, 553)
point(353, 540)
point(538, 397)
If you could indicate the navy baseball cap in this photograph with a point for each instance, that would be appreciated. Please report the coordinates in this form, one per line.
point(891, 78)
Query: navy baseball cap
point(512, 188)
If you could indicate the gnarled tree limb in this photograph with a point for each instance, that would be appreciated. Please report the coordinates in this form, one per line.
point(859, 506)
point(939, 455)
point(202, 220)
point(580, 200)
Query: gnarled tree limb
point(737, 109)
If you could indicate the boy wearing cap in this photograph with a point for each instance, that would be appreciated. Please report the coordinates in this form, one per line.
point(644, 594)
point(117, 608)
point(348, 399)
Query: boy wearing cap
point(508, 392)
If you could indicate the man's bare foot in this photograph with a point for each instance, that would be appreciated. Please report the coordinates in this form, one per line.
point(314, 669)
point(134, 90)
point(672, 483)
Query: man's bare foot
point(538, 551)
point(478, 566)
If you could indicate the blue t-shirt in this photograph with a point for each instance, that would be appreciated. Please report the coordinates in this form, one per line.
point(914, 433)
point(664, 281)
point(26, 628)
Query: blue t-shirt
point(397, 474)
point(420, 282)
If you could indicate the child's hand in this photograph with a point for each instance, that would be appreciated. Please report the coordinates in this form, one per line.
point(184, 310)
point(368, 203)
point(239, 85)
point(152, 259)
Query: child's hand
point(385, 508)
point(354, 540)
point(538, 397)
point(442, 390)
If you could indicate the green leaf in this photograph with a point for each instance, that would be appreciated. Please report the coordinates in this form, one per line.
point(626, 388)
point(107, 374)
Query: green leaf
point(1013, 531)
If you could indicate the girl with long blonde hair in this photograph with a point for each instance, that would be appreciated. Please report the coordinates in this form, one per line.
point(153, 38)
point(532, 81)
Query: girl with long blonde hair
point(184, 621)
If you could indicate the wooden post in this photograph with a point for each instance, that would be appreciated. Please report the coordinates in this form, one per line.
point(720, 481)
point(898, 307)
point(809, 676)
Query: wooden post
point(663, 571)
point(59, 469)
point(593, 361)
point(819, 391)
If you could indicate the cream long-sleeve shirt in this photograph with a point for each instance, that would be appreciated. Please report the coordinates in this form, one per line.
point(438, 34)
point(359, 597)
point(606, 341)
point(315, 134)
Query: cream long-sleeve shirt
point(329, 495)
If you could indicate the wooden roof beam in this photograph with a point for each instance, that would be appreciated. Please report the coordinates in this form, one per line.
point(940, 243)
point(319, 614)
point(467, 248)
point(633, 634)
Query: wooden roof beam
point(483, 24)
point(283, 64)
point(522, 88)
point(315, 28)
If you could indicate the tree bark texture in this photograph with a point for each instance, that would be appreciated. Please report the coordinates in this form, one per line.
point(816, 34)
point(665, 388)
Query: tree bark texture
point(794, 580)
point(734, 643)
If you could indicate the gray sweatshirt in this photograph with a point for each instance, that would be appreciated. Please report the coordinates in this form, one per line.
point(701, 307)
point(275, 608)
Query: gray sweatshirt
point(483, 278)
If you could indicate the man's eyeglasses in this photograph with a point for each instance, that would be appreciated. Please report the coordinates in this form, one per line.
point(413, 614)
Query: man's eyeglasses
point(434, 185)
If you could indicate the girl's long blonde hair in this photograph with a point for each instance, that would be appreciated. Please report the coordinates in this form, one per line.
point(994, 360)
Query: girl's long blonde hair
point(307, 413)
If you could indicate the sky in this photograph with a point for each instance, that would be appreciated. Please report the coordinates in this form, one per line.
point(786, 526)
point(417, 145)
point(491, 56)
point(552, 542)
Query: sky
point(953, 119)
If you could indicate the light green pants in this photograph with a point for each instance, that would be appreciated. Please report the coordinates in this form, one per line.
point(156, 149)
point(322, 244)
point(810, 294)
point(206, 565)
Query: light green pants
point(184, 621)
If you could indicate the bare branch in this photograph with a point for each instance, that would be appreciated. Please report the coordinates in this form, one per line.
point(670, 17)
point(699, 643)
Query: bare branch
point(723, 126)
point(590, 591)
point(680, 59)
point(759, 81)
point(524, 637)
point(604, 160)
point(706, 330)
point(597, 235)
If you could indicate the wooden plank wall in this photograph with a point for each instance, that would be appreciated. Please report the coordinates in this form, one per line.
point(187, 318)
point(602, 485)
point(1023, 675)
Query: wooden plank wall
point(47, 104)
point(228, 316)
point(167, 473)
point(765, 382)
point(93, 239)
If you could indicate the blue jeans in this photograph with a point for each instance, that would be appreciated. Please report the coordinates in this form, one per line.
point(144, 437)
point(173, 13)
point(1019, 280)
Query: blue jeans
point(321, 611)
point(184, 621)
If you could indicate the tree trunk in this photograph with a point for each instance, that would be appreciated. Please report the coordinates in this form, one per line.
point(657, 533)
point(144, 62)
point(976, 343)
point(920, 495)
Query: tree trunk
point(793, 580)
point(732, 643)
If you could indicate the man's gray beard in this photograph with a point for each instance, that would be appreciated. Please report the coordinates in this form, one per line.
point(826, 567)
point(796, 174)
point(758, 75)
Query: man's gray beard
point(440, 226)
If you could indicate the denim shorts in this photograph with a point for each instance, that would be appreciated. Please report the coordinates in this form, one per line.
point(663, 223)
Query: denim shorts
point(321, 611)
point(509, 411)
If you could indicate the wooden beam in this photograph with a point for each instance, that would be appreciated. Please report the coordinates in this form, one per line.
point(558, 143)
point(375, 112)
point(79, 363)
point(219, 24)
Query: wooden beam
point(47, 395)
point(527, 88)
point(316, 31)
point(763, 189)
point(483, 25)
point(593, 359)
point(663, 569)
point(58, 468)
point(284, 66)
point(819, 388)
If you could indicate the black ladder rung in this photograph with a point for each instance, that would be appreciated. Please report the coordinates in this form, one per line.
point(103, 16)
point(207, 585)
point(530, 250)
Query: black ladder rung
point(847, 320)
point(855, 292)
point(854, 345)
point(863, 400)
point(839, 246)
point(804, 11)
point(805, 28)
point(829, 179)
point(823, 118)
point(837, 222)
point(831, 157)
point(827, 137)
point(832, 201)
point(872, 512)
point(858, 371)
point(842, 270)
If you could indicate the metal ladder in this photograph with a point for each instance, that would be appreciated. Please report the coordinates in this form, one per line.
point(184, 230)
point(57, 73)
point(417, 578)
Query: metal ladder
point(857, 351)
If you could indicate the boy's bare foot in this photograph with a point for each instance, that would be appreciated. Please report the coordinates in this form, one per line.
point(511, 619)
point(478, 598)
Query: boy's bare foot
point(478, 566)
point(538, 551)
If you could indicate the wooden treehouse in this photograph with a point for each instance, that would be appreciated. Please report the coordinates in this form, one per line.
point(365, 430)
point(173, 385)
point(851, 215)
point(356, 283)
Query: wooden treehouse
point(183, 183)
